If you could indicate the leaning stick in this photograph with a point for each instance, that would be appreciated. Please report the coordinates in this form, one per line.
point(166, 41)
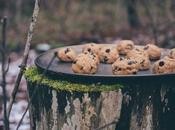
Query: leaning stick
point(25, 55)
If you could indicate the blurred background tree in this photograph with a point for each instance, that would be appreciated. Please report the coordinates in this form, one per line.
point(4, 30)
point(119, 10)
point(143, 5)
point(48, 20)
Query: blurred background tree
point(75, 21)
point(133, 19)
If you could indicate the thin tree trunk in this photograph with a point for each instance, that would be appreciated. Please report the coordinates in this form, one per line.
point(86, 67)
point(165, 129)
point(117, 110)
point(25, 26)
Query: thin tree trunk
point(133, 18)
point(4, 72)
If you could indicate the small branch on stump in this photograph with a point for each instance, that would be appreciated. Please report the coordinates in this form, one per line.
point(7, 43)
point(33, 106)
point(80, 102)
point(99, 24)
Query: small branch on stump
point(35, 90)
point(25, 55)
point(4, 70)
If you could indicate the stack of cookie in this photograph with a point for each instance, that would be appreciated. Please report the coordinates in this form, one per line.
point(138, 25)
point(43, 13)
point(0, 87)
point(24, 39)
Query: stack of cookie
point(136, 58)
point(125, 57)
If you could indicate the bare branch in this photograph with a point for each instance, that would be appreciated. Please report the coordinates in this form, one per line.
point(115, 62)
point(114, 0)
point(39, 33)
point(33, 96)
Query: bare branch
point(35, 90)
point(25, 55)
point(4, 25)
point(8, 65)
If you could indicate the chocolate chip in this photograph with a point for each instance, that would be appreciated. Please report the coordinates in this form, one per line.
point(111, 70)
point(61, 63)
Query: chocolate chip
point(107, 50)
point(119, 69)
point(131, 62)
point(161, 63)
point(146, 48)
point(68, 57)
point(121, 58)
point(74, 62)
point(134, 72)
point(67, 50)
point(115, 68)
point(129, 46)
point(105, 59)
point(89, 49)
point(142, 62)
point(94, 55)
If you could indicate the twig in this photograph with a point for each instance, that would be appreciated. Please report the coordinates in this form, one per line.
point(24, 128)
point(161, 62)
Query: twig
point(25, 55)
point(106, 125)
point(35, 90)
point(4, 72)
point(8, 65)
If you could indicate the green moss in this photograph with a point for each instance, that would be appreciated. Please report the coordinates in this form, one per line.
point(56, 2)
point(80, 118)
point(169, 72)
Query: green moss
point(33, 75)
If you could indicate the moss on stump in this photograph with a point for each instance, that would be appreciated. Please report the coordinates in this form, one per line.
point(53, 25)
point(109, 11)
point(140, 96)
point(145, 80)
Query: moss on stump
point(34, 75)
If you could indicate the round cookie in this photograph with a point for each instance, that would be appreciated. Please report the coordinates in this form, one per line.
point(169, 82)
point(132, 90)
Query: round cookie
point(124, 46)
point(91, 47)
point(141, 57)
point(94, 56)
point(84, 64)
point(154, 52)
point(66, 54)
point(108, 54)
point(165, 65)
point(144, 62)
point(136, 52)
point(172, 53)
point(124, 67)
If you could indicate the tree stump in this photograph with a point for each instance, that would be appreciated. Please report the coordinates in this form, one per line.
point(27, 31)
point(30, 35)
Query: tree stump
point(60, 105)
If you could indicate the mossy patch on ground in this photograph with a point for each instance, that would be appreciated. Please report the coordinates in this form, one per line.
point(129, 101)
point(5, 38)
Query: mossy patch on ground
point(33, 75)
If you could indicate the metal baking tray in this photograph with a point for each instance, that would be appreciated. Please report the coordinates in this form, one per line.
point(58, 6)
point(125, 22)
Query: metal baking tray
point(61, 70)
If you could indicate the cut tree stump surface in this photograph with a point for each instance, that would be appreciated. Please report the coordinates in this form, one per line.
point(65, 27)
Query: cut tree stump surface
point(62, 105)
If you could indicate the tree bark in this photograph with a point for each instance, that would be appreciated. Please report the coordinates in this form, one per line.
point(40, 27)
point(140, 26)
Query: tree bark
point(65, 110)
point(141, 105)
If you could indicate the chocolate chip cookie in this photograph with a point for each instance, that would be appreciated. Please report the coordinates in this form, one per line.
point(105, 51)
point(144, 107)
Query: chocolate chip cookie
point(85, 64)
point(165, 65)
point(108, 54)
point(172, 53)
point(66, 54)
point(124, 67)
point(124, 46)
point(141, 57)
point(154, 52)
point(91, 47)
